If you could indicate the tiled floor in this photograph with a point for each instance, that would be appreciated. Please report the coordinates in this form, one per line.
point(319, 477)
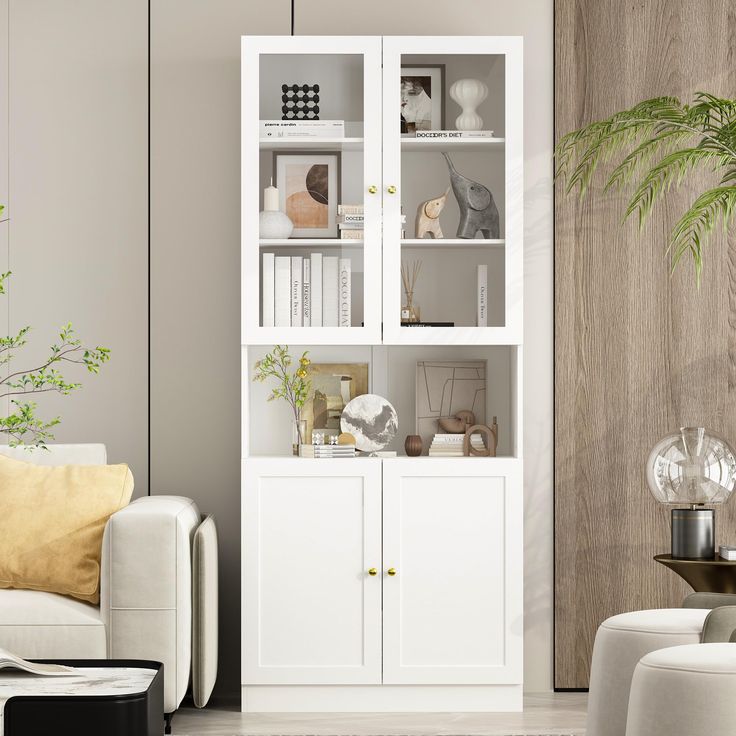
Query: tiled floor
point(548, 713)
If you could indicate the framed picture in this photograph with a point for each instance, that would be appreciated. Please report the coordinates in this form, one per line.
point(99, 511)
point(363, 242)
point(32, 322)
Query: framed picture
point(422, 98)
point(444, 388)
point(309, 191)
point(333, 385)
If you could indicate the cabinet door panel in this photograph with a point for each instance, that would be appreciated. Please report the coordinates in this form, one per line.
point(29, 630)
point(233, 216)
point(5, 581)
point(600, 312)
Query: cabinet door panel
point(452, 612)
point(311, 532)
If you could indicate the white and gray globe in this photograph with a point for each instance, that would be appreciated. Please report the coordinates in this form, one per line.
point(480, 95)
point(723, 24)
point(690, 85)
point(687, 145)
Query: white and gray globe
point(371, 420)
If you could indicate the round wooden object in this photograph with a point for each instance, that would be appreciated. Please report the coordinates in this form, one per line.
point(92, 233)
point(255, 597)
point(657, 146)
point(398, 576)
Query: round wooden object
point(468, 448)
point(413, 445)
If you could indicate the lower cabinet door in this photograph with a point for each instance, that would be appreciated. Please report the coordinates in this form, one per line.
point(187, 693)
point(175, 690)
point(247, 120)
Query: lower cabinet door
point(311, 533)
point(452, 582)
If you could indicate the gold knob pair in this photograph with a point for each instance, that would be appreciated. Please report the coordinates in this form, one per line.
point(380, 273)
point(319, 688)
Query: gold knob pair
point(373, 572)
point(372, 189)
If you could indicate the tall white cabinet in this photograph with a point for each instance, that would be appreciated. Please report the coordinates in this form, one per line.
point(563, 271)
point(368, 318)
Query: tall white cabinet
point(389, 584)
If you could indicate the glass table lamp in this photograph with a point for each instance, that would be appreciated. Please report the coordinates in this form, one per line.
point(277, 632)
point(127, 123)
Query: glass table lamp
point(692, 467)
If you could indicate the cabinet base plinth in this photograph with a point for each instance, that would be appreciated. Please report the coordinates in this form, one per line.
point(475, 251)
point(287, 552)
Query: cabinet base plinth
point(381, 698)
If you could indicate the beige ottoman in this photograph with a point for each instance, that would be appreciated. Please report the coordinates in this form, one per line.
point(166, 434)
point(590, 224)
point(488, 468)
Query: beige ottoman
point(620, 643)
point(684, 691)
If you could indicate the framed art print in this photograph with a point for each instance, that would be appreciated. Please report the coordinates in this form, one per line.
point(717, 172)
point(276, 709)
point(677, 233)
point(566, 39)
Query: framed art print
point(309, 191)
point(422, 98)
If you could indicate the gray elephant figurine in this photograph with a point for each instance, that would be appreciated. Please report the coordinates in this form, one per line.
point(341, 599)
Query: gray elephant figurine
point(478, 211)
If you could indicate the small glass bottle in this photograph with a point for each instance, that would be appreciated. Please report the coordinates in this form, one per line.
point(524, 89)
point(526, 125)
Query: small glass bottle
point(410, 310)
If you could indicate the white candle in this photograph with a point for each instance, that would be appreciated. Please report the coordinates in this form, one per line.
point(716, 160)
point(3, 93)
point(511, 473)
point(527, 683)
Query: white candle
point(271, 198)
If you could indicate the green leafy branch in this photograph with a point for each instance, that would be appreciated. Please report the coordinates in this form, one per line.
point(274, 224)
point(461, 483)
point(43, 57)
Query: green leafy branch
point(22, 425)
point(293, 387)
point(657, 144)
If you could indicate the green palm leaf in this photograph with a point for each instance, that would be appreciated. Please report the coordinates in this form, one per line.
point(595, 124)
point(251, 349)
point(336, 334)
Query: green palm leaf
point(655, 145)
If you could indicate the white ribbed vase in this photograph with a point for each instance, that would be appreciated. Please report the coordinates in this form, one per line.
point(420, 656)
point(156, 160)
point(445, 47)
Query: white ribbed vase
point(274, 224)
point(469, 93)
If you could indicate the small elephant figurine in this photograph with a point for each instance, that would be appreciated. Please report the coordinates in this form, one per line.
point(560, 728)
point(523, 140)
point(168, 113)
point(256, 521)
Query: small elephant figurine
point(478, 211)
point(428, 217)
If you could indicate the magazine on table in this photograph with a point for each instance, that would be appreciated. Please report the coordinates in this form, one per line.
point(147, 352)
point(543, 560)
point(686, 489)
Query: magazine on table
point(10, 661)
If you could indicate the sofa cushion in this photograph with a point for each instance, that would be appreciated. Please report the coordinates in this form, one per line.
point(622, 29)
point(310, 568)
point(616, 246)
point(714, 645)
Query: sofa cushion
point(38, 625)
point(51, 524)
point(205, 613)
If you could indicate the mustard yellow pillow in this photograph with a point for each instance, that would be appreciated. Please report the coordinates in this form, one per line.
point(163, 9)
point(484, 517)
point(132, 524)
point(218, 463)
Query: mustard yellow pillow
point(51, 524)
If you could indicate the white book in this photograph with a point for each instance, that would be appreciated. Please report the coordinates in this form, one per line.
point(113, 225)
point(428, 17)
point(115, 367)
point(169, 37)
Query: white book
point(307, 295)
point(345, 287)
point(296, 291)
point(482, 296)
point(282, 291)
point(267, 281)
point(329, 291)
point(302, 128)
point(11, 661)
point(454, 134)
point(315, 306)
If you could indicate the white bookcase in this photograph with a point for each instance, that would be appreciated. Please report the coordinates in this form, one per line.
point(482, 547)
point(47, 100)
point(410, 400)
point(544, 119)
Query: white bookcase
point(388, 584)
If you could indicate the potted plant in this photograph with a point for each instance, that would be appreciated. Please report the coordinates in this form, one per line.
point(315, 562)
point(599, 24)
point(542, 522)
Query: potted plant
point(292, 386)
point(655, 145)
point(22, 425)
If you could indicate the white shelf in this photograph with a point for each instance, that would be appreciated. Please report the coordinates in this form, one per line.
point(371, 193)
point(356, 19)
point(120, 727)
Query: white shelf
point(309, 243)
point(310, 144)
point(453, 144)
point(452, 243)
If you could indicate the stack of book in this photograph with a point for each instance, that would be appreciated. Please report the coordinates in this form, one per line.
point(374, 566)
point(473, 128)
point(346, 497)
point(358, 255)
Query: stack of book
point(727, 552)
point(448, 135)
point(451, 445)
point(302, 129)
point(327, 450)
point(313, 291)
point(350, 221)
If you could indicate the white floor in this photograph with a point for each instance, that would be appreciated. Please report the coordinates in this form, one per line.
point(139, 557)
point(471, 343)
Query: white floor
point(548, 713)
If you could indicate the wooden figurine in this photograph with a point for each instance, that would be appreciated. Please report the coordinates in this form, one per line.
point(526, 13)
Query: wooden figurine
point(490, 442)
point(458, 423)
point(428, 217)
point(478, 211)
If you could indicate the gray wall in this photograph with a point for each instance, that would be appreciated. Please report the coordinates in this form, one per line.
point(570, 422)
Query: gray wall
point(78, 155)
point(78, 202)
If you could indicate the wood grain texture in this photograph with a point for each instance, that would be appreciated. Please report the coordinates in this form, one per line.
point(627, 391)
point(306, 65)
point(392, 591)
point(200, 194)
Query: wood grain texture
point(637, 353)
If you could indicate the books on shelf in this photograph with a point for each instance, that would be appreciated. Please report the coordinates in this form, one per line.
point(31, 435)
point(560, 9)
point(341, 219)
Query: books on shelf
point(267, 298)
point(351, 234)
point(302, 128)
point(327, 451)
point(315, 305)
point(727, 552)
point(306, 293)
point(330, 301)
point(427, 324)
point(482, 295)
point(451, 445)
point(282, 291)
point(313, 291)
point(344, 292)
point(350, 209)
point(297, 293)
point(453, 134)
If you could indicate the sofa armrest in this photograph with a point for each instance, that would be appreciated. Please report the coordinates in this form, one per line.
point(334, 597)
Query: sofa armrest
point(709, 600)
point(146, 587)
point(720, 625)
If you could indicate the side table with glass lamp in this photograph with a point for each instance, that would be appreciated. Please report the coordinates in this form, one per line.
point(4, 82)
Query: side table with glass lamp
point(694, 467)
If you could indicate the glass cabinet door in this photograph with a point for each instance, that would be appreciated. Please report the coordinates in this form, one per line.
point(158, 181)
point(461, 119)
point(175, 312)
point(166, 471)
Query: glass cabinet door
point(311, 165)
point(452, 195)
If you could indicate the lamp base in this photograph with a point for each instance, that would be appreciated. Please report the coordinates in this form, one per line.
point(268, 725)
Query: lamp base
point(693, 534)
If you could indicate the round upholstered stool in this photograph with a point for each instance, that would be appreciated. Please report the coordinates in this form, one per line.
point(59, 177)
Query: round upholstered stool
point(684, 691)
point(620, 643)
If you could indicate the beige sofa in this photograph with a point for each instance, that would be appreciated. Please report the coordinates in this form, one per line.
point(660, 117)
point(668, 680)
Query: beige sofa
point(146, 592)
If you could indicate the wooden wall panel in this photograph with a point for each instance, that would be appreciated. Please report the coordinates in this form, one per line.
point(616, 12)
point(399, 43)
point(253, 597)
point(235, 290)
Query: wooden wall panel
point(638, 353)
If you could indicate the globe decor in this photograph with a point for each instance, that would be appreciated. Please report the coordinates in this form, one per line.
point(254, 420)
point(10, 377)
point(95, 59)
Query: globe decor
point(692, 467)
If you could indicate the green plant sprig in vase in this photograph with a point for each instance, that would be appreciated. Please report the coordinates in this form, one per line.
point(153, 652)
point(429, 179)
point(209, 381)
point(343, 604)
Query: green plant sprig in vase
point(292, 386)
point(655, 145)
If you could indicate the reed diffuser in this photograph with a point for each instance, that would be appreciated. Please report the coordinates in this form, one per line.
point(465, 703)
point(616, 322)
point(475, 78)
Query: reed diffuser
point(409, 276)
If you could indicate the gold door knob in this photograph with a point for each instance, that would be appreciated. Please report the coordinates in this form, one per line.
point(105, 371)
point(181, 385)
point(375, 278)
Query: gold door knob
point(391, 189)
point(372, 189)
point(391, 571)
point(373, 572)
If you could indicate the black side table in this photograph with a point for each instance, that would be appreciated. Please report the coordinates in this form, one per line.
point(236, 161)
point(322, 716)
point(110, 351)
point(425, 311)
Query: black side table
point(126, 714)
point(705, 576)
